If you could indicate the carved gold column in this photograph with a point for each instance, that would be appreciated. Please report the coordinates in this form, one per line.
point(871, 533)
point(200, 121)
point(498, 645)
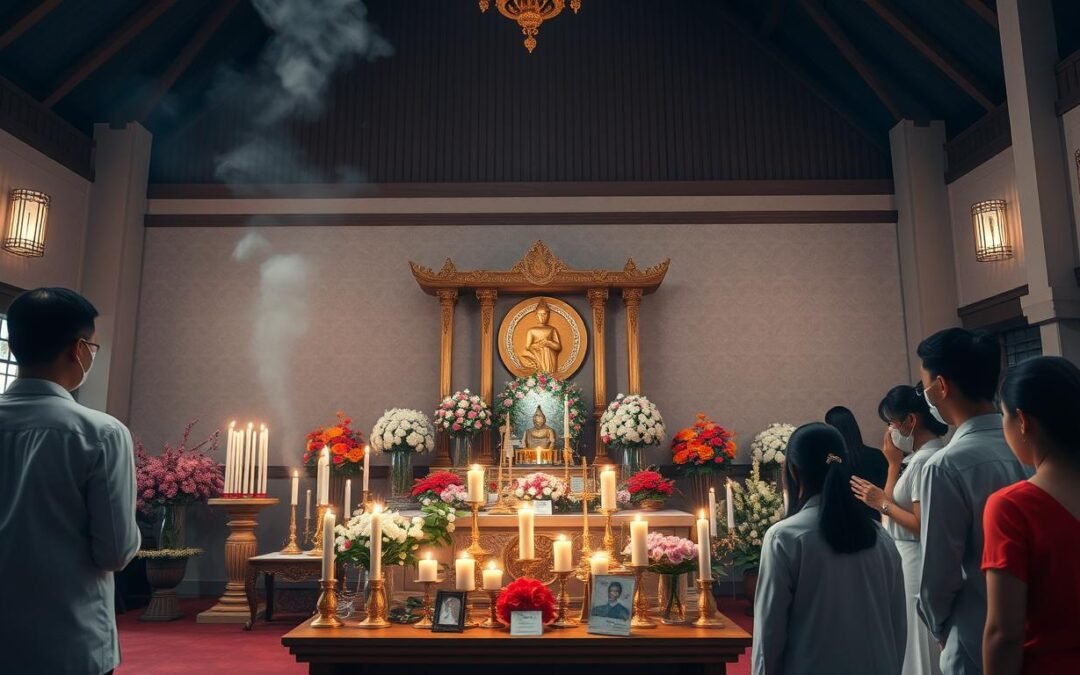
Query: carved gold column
point(487, 297)
point(597, 300)
point(447, 303)
point(632, 299)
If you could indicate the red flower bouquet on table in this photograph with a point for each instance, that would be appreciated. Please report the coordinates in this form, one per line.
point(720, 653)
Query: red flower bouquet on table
point(526, 595)
point(346, 446)
point(440, 486)
point(649, 486)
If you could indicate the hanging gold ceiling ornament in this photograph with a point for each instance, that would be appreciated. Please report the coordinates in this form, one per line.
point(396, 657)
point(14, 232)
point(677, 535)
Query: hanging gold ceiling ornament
point(529, 14)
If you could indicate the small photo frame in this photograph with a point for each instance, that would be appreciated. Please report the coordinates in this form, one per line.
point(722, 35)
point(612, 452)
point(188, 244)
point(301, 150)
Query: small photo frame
point(611, 605)
point(448, 615)
point(577, 484)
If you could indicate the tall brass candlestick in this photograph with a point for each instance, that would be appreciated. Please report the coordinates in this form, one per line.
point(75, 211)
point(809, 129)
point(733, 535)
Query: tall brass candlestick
point(377, 607)
point(707, 616)
point(493, 616)
point(426, 622)
point(562, 618)
point(640, 618)
point(475, 549)
point(615, 560)
point(586, 597)
point(506, 459)
point(317, 537)
point(586, 545)
point(327, 606)
point(292, 548)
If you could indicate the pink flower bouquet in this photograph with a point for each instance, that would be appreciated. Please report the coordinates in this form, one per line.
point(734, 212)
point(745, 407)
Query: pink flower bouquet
point(463, 415)
point(669, 555)
point(179, 475)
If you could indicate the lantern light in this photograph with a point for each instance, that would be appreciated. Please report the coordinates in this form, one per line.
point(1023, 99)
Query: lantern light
point(28, 216)
point(991, 231)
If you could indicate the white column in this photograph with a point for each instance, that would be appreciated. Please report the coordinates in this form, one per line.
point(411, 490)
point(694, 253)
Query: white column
point(112, 269)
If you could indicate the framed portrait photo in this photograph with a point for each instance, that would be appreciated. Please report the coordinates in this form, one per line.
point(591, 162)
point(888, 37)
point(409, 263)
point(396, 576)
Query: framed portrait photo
point(449, 612)
point(611, 609)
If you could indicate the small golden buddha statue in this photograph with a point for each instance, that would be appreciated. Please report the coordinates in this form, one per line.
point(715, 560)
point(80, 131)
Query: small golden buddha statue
point(542, 343)
point(540, 436)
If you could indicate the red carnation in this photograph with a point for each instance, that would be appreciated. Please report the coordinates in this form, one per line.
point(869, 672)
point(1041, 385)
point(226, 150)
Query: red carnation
point(526, 595)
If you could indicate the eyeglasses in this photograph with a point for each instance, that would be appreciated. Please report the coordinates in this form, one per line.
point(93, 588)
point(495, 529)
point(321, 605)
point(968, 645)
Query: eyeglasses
point(920, 389)
point(93, 347)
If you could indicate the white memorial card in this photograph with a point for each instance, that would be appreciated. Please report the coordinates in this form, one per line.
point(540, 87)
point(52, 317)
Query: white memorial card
point(542, 507)
point(525, 624)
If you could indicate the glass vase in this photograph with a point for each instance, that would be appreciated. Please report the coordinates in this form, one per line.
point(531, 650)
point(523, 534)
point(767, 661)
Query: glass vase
point(401, 478)
point(460, 450)
point(671, 595)
point(633, 461)
point(171, 529)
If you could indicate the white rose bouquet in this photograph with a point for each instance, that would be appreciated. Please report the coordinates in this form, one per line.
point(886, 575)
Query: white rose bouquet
point(632, 422)
point(538, 486)
point(770, 446)
point(401, 429)
point(758, 506)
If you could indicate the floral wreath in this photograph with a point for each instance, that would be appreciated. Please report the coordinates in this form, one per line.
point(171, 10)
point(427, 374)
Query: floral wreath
point(517, 389)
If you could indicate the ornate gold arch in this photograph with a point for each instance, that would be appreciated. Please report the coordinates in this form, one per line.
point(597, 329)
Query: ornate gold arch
point(538, 271)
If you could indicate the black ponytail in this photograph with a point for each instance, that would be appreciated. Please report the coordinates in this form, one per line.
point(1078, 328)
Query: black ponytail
point(1046, 389)
point(902, 401)
point(817, 465)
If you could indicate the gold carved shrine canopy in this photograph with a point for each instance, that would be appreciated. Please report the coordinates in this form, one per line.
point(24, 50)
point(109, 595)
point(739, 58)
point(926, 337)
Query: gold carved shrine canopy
point(540, 271)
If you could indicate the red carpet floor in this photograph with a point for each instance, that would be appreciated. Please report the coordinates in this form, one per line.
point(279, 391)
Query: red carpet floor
point(184, 646)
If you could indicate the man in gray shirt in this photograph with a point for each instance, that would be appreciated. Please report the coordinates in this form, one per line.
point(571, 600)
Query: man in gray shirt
point(67, 496)
point(960, 371)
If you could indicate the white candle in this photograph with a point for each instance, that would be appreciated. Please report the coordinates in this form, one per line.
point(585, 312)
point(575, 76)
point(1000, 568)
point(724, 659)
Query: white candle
point(295, 488)
point(566, 421)
point(712, 511)
point(429, 569)
point(367, 461)
point(598, 563)
point(608, 491)
point(375, 544)
point(476, 483)
point(322, 478)
point(704, 555)
point(465, 573)
point(348, 500)
point(730, 508)
point(639, 541)
point(307, 505)
point(493, 577)
point(264, 459)
point(253, 459)
point(526, 550)
point(246, 464)
point(564, 557)
point(230, 461)
point(538, 460)
point(328, 547)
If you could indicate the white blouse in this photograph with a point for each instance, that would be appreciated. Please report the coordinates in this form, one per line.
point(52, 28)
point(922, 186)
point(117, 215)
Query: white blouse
point(906, 490)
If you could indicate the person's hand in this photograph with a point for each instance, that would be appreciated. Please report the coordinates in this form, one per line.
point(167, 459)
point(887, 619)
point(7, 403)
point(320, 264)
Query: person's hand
point(868, 493)
point(893, 454)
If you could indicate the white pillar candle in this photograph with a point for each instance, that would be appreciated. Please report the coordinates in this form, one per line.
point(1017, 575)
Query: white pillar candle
point(375, 544)
point(526, 543)
point(608, 491)
point(428, 569)
point(264, 459)
point(493, 577)
point(476, 483)
point(639, 541)
point(598, 563)
point(367, 463)
point(348, 500)
point(465, 573)
point(322, 478)
point(307, 505)
point(245, 486)
point(253, 459)
point(730, 508)
point(564, 557)
point(712, 512)
point(566, 420)
point(704, 555)
point(230, 446)
point(295, 488)
point(328, 547)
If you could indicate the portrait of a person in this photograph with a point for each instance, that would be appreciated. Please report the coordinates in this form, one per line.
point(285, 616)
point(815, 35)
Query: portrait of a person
point(450, 612)
point(611, 606)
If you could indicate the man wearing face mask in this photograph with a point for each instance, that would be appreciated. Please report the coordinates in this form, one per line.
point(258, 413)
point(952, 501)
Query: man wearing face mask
point(67, 495)
point(960, 371)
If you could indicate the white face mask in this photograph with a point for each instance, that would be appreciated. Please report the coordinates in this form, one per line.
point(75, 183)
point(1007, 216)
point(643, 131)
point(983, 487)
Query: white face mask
point(86, 371)
point(906, 444)
point(933, 408)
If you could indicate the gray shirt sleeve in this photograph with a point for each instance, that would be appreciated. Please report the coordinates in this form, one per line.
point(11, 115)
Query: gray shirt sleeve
point(772, 604)
point(110, 500)
point(945, 524)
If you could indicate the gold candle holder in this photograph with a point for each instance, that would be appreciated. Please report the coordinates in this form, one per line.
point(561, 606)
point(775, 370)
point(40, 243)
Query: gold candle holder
point(292, 548)
point(562, 620)
point(583, 568)
point(475, 549)
point(377, 607)
point(426, 622)
point(614, 560)
point(640, 619)
point(327, 606)
point(707, 616)
point(493, 618)
point(527, 566)
point(317, 536)
point(586, 597)
point(365, 505)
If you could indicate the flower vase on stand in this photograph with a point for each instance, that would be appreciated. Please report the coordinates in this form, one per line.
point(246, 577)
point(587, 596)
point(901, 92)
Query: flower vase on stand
point(460, 450)
point(633, 460)
point(401, 479)
point(672, 597)
point(171, 530)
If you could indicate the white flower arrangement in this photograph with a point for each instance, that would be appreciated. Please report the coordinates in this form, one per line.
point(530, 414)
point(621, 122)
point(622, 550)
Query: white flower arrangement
point(401, 429)
point(758, 506)
point(632, 422)
point(538, 486)
point(770, 446)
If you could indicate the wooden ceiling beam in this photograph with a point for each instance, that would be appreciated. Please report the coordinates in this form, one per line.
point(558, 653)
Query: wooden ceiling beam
point(847, 49)
point(985, 12)
point(28, 21)
point(934, 51)
point(184, 58)
point(142, 19)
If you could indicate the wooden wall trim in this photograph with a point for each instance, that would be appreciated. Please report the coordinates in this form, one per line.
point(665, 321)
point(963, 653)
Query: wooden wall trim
point(42, 129)
point(382, 472)
point(996, 311)
point(1068, 83)
point(978, 143)
point(559, 218)
point(7, 294)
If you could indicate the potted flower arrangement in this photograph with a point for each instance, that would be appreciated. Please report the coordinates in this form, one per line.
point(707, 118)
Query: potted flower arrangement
point(462, 417)
point(525, 594)
point(769, 448)
point(347, 451)
point(757, 507)
point(400, 433)
point(649, 490)
point(441, 486)
point(538, 486)
point(670, 557)
point(702, 451)
point(631, 424)
point(166, 484)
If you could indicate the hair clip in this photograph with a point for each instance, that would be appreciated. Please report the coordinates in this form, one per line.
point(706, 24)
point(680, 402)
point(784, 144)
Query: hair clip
point(833, 459)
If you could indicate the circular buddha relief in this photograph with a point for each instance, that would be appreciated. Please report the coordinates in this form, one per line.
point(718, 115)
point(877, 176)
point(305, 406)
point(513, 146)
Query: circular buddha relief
point(543, 335)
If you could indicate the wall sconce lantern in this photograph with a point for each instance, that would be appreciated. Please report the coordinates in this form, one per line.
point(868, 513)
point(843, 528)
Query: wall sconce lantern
point(991, 231)
point(28, 215)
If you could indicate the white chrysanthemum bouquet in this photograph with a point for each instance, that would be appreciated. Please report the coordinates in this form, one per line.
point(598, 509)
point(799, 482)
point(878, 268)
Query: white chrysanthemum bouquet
point(632, 422)
point(401, 429)
point(770, 446)
point(758, 506)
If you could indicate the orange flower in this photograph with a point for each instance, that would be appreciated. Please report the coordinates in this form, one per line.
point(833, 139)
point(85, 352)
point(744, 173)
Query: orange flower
point(333, 432)
point(339, 448)
point(355, 455)
point(681, 456)
point(705, 452)
point(685, 435)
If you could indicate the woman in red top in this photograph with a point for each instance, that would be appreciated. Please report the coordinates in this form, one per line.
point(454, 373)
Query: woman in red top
point(1032, 528)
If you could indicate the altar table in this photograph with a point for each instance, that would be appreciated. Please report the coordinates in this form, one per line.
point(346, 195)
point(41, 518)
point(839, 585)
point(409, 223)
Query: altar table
point(404, 650)
point(290, 567)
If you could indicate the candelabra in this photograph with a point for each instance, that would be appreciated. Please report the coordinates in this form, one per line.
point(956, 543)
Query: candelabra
point(527, 566)
point(292, 548)
point(707, 616)
point(317, 536)
point(493, 617)
point(366, 504)
point(475, 549)
point(640, 618)
point(586, 546)
point(501, 506)
point(327, 606)
point(614, 560)
point(377, 606)
point(426, 622)
point(562, 620)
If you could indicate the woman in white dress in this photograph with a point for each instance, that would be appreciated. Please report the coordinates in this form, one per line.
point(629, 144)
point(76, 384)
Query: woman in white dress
point(830, 596)
point(911, 438)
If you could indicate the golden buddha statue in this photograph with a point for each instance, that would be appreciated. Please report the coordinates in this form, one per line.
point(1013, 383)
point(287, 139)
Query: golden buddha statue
point(539, 441)
point(542, 344)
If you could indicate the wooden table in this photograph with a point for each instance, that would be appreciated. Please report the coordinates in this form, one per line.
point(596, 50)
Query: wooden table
point(403, 650)
point(290, 567)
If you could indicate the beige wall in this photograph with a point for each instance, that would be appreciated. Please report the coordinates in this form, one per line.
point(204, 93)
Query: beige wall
point(1070, 121)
